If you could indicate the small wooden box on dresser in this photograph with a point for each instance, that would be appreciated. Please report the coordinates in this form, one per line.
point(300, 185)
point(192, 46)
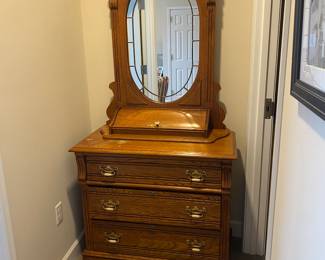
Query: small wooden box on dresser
point(156, 178)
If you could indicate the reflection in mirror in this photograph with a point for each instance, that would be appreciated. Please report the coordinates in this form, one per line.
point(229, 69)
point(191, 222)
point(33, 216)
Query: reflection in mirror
point(163, 43)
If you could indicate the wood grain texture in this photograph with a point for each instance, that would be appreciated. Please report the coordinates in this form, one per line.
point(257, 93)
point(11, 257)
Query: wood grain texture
point(225, 243)
point(155, 211)
point(158, 194)
point(161, 121)
point(204, 92)
point(213, 136)
point(158, 188)
point(85, 213)
point(155, 207)
point(224, 148)
point(93, 255)
point(154, 240)
point(81, 164)
point(166, 175)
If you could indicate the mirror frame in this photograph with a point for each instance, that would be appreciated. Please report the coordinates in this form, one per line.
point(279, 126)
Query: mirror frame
point(204, 93)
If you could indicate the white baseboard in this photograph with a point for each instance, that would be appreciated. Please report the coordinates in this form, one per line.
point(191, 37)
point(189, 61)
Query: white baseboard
point(237, 228)
point(74, 252)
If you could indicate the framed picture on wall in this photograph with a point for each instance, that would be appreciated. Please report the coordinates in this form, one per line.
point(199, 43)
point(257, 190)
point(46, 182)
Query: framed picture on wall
point(308, 71)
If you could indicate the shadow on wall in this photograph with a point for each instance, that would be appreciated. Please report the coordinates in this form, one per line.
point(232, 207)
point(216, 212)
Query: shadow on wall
point(311, 120)
point(219, 26)
point(74, 196)
point(217, 60)
point(238, 173)
point(237, 195)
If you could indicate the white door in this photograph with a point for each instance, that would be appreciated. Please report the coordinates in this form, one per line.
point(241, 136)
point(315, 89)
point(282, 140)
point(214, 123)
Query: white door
point(266, 60)
point(183, 52)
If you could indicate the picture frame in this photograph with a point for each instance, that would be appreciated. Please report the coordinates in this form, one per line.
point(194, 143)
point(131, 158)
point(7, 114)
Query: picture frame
point(308, 65)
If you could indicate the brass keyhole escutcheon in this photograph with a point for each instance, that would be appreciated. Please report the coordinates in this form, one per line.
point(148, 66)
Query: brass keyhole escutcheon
point(196, 175)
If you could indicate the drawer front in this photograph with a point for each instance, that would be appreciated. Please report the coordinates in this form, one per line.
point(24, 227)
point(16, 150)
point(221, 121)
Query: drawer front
point(155, 207)
point(110, 171)
point(92, 255)
point(154, 241)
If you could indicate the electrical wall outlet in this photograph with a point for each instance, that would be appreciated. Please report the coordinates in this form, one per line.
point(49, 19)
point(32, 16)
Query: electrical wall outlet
point(59, 213)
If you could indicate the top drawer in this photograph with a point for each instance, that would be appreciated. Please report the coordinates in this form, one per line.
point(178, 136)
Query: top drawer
point(137, 173)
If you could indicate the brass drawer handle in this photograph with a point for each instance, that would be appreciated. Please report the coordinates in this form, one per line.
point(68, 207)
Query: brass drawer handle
point(112, 238)
point(195, 245)
point(196, 175)
point(108, 171)
point(110, 205)
point(195, 212)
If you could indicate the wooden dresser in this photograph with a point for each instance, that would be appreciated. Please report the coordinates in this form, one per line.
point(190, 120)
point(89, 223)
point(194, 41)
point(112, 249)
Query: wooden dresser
point(157, 200)
point(156, 178)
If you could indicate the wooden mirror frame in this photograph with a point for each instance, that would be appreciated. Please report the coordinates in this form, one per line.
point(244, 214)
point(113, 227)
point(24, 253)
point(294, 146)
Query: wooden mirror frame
point(204, 93)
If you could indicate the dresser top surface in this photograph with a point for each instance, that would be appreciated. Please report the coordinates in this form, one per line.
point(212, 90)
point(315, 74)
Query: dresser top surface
point(224, 148)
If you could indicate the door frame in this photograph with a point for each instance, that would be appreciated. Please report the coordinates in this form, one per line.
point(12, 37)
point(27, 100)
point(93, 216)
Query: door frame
point(267, 73)
point(278, 124)
point(260, 50)
point(6, 238)
point(151, 41)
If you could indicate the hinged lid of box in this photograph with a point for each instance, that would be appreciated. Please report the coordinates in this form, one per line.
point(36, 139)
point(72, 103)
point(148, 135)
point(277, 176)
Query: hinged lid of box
point(159, 121)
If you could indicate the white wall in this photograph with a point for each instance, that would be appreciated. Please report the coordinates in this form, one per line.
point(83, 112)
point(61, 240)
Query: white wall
point(43, 112)
point(233, 52)
point(99, 58)
point(299, 225)
point(232, 71)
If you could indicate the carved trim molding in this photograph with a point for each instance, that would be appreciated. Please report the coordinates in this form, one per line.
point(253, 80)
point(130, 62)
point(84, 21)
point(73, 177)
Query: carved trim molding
point(204, 92)
point(81, 167)
point(211, 2)
point(113, 106)
point(226, 177)
point(113, 4)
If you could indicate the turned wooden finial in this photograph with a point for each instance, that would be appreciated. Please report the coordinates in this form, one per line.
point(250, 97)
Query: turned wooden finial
point(211, 2)
point(113, 4)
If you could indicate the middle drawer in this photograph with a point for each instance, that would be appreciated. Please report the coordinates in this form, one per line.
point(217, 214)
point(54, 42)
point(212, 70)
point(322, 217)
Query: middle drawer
point(155, 207)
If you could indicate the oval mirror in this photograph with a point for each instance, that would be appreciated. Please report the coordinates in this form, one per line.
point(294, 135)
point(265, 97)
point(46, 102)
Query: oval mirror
point(163, 44)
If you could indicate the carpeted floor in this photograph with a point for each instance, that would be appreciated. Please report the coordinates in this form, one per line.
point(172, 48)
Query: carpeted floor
point(236, 253)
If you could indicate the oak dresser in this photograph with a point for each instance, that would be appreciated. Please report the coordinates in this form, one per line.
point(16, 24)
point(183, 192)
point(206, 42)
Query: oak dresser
point(156, 178)
point(154, 199)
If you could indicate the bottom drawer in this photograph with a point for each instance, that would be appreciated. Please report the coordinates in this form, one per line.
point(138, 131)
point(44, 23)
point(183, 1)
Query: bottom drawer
point(154, 241)
point(91, 255)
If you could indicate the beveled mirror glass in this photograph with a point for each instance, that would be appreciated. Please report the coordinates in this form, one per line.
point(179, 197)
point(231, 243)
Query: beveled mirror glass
point(163, 45)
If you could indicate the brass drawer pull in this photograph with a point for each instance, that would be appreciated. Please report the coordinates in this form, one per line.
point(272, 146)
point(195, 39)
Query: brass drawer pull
point(195, 212)
point(112, 238)
point(108, 171)
point(110, 205)
point(195, 245)
point(196, 175)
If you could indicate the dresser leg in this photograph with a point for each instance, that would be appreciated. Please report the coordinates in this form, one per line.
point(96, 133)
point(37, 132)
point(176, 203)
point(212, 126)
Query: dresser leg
point(225, 227)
